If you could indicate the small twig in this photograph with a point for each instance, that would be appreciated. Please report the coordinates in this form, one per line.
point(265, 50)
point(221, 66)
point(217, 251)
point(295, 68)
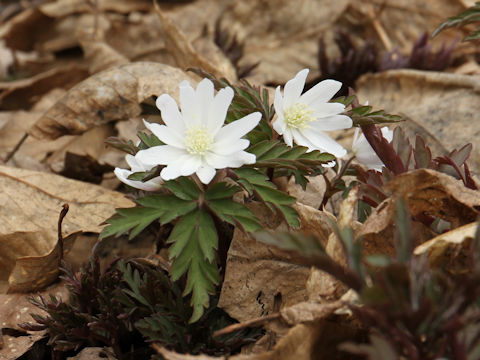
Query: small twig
point(250, 323)
point(15, 149)
point(380, 30)
point(62, 215)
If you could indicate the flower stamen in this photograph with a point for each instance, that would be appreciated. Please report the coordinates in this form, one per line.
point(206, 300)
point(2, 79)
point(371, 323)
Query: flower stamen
point(298, 116)
point(198, 140)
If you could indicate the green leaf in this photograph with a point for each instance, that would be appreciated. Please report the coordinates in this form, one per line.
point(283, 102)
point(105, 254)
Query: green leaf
point(221, 190)
point(288, 161)
point(469, 16)
point(363, 115)
point(194, 240)
point(184, 188)
point(145, 175)
point(126, 146)
point(148, 140)
point(235, 213)
point(153, 207)
point(258, 184)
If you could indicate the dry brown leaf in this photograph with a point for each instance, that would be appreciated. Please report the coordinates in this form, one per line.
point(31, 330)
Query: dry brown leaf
point(322, 287)
point(449, 250)
point(94, 353)
point(30, 205)
point(186, 56)
point(100, 56)
point(114, 94)
point(425, 191)
point(283, 35)
point(16, 309)
point(25, 30)
point(444, 104)
point(312, 195)
point(256, 273)
point(305, 312)
point(16, 346)
point(411, 18)
point(61, 8)
point(22, 94)
point(79, 157)
point(297, 344)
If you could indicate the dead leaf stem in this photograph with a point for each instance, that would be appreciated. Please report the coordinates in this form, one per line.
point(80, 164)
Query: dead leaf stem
point(249, 323)
point(62, 215)
point(15, 149)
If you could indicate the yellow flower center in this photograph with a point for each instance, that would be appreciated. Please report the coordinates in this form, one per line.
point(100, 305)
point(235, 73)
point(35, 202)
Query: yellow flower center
point(198, 140)
point(298, 116)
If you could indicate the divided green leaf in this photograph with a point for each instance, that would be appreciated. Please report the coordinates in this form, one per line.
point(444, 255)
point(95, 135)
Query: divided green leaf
point(257, 184)
point(152, 207)
point(194, 241)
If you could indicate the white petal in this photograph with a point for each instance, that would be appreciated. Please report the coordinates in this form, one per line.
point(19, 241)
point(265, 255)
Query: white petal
point(227, 148)
point(335, 122)
point(203, 98)
point(302, 140)
point(330, 164)
point(320, 141)
point(170, 114)
point(233, 160)
point(159, 155)
point(206, 174)
point(370, 159)
point(278, 101)
point(150, 185)
point(166, 134)
point(356, 138)
point(321, 93)
point(279, 125)
point(218, 109)
point(238, 128)
point(327, 109)
point(293, 88)
point(135, 165)
point(288, 137)
point(217, 161)
point(188, 102)
point(172, 171)
point(387, 133)
point(189, 164)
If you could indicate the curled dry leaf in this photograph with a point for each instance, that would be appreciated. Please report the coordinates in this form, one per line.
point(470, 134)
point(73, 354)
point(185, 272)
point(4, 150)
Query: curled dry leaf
point(316, 341)
point(16, 309)
point(282, 35)
point(30, 204)
point(24, 31)
point(16, 346)
point(425, 191)
point(322, 287)
point(22, 94)
point(61, 8)
point(449, 250)
point(114, 94)
point(256, 274)
point(308, 312)
point(443, 104)
point(100, 55)
point(422, 16)
point(94, 353)
point(186, 56)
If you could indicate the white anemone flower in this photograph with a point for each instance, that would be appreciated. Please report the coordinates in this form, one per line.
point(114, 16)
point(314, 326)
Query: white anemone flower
point(197, 141)
point(303, 118)
point(136, 166)
point(364, 152)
